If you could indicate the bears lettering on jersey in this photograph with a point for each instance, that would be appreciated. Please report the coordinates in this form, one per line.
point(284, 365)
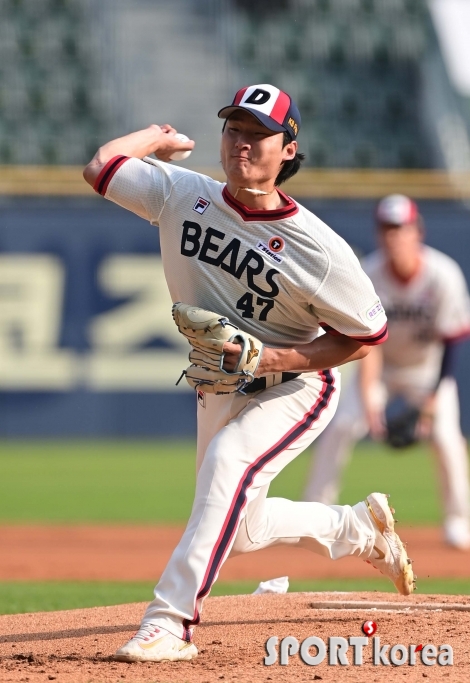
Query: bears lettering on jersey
point(409, 311)
point(420, 315)
point(212, 250)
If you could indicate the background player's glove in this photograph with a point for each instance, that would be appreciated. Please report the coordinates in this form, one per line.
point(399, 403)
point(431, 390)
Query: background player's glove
point(207, 332)
point(402, 429)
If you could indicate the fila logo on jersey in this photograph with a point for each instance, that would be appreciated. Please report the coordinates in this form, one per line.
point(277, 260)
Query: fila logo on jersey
point(201, 205)
point(276, 244)
point(266, 250)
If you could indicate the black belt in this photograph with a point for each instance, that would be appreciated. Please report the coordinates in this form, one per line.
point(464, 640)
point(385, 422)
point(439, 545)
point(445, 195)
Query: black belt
point(260, 382)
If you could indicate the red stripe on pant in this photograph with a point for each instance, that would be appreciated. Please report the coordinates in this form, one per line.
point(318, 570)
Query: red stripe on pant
point(239, 500)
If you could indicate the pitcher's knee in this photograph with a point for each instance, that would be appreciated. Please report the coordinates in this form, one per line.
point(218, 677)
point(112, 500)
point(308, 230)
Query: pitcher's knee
point(243, 543)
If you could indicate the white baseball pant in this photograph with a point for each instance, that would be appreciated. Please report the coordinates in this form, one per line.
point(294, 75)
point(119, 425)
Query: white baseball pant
point(349, 425)
point(243, 443)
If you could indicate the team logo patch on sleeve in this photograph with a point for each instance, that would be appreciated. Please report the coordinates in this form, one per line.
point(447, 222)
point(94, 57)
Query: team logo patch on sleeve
point(276, 244)
point(201, 205)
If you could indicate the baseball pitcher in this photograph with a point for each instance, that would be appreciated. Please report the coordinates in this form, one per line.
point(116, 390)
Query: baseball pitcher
point(253, 276)
point(427, 303)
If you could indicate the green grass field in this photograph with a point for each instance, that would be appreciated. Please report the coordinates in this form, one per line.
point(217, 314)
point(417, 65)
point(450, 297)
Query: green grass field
point(45, 596)
point(153, 482)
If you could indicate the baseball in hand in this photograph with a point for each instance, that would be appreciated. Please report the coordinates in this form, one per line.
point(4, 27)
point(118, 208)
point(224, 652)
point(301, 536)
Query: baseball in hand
point(179, 156)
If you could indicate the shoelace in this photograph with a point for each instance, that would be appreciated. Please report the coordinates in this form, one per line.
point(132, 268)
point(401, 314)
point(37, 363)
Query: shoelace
point(146, 632)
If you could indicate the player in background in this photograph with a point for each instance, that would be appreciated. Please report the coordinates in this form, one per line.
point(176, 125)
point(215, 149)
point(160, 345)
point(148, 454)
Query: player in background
point(249, 252)
point(425, 296)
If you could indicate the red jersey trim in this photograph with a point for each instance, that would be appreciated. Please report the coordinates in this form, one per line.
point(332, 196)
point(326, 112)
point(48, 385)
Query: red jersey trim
point(261, 215)
point(455, 338)
point(104, 178)
point(372, 340)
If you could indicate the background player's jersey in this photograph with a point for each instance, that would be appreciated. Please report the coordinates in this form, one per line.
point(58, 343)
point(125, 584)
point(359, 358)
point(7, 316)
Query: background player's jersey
point(278, 274)
point(423, 313)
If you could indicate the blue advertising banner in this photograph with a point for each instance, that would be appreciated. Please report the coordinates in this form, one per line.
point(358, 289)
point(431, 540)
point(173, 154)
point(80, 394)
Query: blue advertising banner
point(88, 345)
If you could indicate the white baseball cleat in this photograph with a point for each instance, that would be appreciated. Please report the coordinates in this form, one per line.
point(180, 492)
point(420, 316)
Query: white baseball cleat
point(389, 555)
point(154, 644)
point(457, 532)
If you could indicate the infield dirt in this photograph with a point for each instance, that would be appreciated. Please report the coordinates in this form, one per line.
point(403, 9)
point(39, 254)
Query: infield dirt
point(140, 553)
point(76, 646)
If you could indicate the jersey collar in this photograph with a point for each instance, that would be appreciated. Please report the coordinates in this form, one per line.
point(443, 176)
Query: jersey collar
point(261, 215)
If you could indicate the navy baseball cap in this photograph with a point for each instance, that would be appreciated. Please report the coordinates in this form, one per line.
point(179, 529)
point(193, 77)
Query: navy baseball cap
point(274, 108)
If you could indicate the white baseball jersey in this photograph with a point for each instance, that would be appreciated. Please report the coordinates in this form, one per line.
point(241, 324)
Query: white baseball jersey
point(432, 308)
point(279, 274)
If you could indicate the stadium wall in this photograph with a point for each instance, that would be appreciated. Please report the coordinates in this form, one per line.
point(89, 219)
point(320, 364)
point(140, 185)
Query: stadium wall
point(88, 347)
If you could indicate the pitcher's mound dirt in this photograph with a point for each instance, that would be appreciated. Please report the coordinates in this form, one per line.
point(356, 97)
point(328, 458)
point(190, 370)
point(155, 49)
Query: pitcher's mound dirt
point(76, 645)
